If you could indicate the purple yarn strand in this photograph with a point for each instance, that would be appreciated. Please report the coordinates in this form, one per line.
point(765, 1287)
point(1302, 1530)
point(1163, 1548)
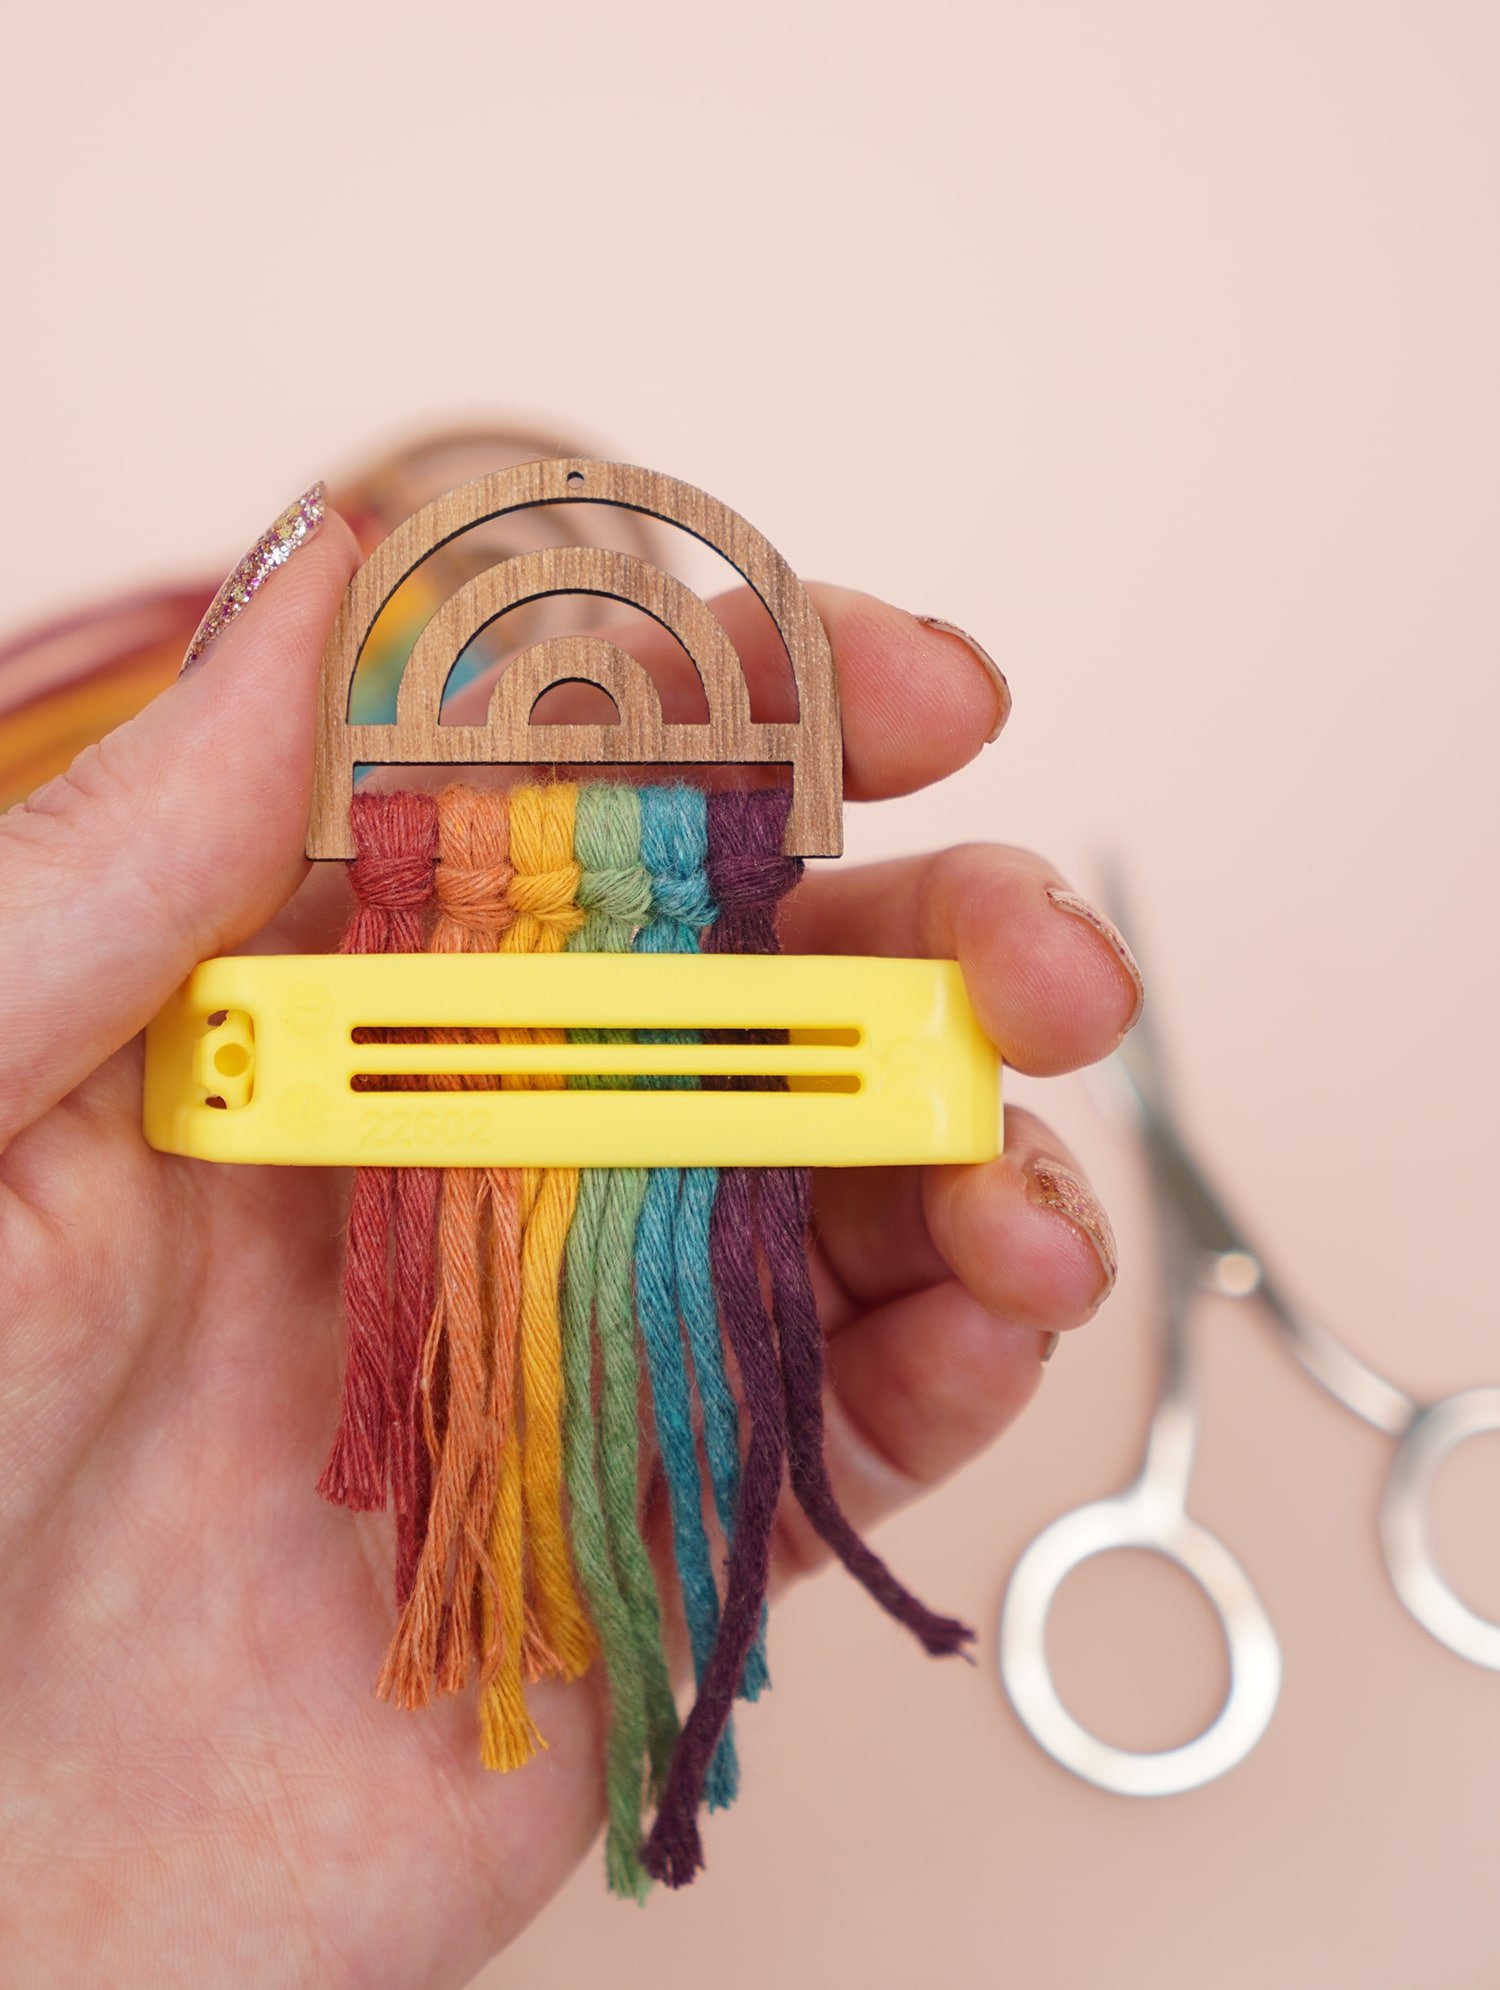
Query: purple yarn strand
point(784, 1216)
point(749, 876)
point(674, 1851)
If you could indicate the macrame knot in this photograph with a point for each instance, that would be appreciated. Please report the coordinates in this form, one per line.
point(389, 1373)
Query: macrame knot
point(674, 849)
point(549, 897)
point(475, 896)
point(682, 897)
point(622, 896)
point(474, 875)
point(748, 882)
point(391, 884)
point(747, 871)
point(395, 840)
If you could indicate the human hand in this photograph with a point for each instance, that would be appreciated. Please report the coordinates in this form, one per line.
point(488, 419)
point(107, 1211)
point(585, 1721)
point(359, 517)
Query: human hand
point(199, 1782)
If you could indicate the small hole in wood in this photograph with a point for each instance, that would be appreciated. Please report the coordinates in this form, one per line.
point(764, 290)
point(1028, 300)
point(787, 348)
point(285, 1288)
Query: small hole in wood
point(575, 476)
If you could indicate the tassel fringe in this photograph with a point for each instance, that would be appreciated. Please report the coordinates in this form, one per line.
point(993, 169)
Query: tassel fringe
point(500, 1323)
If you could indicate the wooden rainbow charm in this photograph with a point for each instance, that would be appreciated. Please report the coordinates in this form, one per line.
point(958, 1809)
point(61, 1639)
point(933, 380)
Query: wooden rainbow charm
point(812, 747)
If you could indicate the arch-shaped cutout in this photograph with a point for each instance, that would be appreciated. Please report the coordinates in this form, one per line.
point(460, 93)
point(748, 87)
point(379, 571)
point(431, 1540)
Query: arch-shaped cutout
point(528, 577)
point(583, 683)
point(578, 660)
point(553, 673)
point(812, 747)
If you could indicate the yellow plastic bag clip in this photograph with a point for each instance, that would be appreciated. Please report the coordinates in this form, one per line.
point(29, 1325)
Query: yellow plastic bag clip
point(348, 1060)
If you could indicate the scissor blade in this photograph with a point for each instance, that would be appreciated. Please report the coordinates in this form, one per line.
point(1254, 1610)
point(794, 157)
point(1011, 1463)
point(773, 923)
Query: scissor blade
point(1140, 1055)
point(1188, 1208)
point(1184, 1191)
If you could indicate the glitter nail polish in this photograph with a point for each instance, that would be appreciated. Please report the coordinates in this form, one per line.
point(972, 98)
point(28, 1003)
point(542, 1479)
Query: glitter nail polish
point(272, 549)
point(1109, 932)
point(1054, 1185)
point(985, 661)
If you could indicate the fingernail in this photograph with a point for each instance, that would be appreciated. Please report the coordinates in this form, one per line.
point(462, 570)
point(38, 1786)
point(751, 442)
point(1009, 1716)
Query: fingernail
point(991, 669)
point(1055, 1186)
point(1049, 1346)
point(272, 549)
point(1109, 932)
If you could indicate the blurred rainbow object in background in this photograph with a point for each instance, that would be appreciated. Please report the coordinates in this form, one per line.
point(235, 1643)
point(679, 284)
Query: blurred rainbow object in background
point(66, 682)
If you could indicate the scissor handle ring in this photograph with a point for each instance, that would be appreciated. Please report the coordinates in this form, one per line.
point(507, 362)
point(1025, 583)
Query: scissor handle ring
point(1138, 1520)
point(1435, 1432)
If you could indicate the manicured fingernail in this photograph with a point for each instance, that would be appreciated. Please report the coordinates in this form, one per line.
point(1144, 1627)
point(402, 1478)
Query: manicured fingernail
point(1109, 932)
point(1049, 1346)
point(1055, 1186)
point(272, 549)
point(986, 662)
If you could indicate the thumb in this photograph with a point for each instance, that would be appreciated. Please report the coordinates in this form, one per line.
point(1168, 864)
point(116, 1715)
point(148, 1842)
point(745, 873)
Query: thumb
point(176, 837)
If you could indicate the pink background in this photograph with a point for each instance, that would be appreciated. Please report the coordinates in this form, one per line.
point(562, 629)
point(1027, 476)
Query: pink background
point(1156, 343)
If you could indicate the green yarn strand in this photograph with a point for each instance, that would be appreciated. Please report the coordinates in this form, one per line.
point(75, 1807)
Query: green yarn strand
point(603, 1458)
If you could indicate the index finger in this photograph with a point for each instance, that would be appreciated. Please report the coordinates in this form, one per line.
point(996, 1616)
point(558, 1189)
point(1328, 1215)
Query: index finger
point(1053, 981)
point(919, 697)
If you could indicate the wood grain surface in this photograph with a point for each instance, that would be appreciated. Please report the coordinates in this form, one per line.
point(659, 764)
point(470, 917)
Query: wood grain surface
point(811, 747)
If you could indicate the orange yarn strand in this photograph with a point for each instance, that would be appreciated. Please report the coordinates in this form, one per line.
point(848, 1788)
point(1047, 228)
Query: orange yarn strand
point(434, 1644)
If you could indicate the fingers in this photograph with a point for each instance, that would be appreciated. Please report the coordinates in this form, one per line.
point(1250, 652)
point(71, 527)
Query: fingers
point(1000, 1257)
point(175, 838)
point(1052, 981)
point(919, 699)
point(917, 1389)
point(1024, 1235)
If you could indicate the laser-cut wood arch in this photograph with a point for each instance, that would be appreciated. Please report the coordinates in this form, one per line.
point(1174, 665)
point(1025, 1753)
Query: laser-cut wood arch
point(812, 747)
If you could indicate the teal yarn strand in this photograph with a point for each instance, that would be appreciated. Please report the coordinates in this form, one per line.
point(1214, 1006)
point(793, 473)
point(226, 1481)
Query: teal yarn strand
point(674, 850)
point(673, 1290)
point(699, 1309)
point(672, 1402)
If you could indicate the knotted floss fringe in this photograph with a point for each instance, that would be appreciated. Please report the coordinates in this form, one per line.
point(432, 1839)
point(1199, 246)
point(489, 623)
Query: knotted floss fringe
point(674, 1852)
point(692, 1254)
point(749, 876)
point(486, 1226)
point(469, 1346)
point(475, 1390)
point(389, 1257)
point(674, 848)
point(417, 1192)
point(608, 1548)
point(671, 1235)
point(558, 1639)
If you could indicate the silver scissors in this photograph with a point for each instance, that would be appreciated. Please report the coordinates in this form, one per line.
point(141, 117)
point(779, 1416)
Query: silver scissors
point(1201, 1250)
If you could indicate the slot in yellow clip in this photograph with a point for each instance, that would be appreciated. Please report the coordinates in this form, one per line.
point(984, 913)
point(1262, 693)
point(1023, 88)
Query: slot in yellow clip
point(290, 1059)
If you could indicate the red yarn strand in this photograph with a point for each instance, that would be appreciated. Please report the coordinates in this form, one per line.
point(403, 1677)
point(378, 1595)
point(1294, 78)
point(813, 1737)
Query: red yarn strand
point(379, 1440)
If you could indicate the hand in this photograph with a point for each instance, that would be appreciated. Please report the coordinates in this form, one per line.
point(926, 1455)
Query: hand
point(199, 1784)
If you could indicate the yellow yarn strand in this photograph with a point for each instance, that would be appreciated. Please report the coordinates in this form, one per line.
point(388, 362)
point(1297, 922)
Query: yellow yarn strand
point(560, 1643)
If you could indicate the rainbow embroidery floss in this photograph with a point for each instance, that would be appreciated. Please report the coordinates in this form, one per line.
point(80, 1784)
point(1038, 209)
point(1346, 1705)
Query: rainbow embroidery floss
point(542, 1631)
point(578, 1244)
point(388, 1263)
point(761, 1220)
point(750, 877)
point(469, 1332)
point(674, 1288)
point(603, 1447)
